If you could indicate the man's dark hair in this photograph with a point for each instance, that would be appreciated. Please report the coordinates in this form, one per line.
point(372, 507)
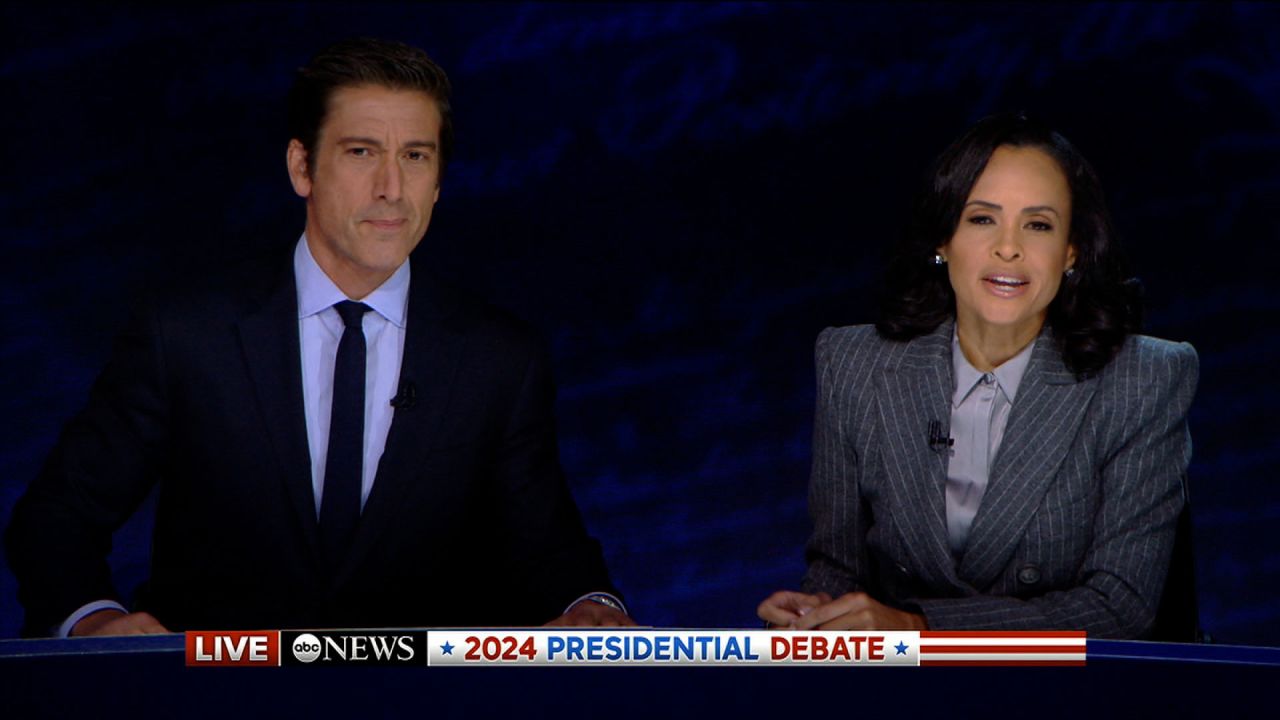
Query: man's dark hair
point(1096, 306)
point(364, 61)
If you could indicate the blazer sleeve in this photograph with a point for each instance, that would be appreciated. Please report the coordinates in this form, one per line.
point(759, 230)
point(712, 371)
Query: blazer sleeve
point(836, 552)
point(99, 472)
point(1142, 486)
point(552, 559)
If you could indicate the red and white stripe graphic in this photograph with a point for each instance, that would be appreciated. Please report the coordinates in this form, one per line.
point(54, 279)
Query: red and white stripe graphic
point(942, 647)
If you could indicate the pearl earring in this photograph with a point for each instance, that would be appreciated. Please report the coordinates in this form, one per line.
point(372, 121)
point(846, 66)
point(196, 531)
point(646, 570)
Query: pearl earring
point(938, 259)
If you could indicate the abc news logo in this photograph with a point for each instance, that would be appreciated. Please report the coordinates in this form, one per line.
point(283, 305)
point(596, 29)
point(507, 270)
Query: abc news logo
point(350, 647)
point(307, 647)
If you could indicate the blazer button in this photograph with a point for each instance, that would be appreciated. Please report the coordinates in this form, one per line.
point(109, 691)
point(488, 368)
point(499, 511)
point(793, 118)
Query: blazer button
point(902, 569)
point(1029, 574)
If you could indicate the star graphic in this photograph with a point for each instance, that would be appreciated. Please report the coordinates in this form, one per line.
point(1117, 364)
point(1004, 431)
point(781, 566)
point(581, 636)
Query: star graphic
point(901, 647)
point(447, 648)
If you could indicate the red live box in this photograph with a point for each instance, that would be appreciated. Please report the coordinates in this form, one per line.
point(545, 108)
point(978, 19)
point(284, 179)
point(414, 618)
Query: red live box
point(229, 648)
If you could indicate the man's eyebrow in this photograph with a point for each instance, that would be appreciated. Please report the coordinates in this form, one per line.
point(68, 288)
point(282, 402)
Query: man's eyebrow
point(358, 140)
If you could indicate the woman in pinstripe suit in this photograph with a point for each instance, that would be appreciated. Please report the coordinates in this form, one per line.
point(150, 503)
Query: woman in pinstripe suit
point(1001, 450)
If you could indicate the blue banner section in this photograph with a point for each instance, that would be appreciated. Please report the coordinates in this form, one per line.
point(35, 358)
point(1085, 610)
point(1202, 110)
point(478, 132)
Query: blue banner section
point(679, 196)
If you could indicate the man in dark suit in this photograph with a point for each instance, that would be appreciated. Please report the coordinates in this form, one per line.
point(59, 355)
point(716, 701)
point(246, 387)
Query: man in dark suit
point(340, 439)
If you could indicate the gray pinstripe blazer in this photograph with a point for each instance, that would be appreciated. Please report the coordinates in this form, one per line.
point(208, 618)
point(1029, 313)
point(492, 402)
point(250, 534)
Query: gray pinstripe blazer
point(1076, 528)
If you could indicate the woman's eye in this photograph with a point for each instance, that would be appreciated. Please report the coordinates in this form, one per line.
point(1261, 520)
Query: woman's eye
point(1039, 226)
point(981, 220)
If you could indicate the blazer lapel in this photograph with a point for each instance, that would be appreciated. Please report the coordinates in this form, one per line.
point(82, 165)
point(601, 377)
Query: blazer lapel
point(269, 340)
point(432, 351)
point(915, 394)
point(1042, 426)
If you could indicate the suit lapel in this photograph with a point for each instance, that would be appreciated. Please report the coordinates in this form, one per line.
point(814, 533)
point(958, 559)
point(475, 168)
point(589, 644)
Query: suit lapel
point(1042, 426)
point(915, 394)
point(432, 350)
point(269, 340)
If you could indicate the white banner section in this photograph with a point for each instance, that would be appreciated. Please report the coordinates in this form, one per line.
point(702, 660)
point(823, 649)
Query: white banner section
point(644, 646)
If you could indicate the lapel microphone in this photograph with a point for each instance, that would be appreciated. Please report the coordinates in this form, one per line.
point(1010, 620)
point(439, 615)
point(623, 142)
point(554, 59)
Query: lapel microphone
point(406, 396)
point(938, 441)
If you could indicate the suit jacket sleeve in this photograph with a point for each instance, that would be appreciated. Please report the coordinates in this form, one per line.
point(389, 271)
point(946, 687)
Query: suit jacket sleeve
point(100, 470)
point(552, 560)
point(1142, 483)
point(836, 554)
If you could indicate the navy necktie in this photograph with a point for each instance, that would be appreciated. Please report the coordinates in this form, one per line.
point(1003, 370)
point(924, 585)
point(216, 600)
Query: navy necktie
point(343, 472)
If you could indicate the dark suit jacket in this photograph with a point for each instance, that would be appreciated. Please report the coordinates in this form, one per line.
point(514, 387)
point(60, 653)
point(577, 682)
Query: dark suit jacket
point(1076, 527)
point(469, 521)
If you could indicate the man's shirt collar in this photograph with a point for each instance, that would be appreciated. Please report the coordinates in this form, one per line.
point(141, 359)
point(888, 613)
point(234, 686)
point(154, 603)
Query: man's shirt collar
point(316, 292)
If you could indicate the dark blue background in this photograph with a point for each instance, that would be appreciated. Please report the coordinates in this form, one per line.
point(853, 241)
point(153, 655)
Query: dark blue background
point(680, 197)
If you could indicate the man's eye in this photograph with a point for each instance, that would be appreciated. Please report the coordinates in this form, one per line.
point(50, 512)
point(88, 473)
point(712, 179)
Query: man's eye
point(359, 152)
point(417, 155)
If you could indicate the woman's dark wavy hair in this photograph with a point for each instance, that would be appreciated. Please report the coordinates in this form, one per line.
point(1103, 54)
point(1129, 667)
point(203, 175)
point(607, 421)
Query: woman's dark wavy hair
point(1096, 306)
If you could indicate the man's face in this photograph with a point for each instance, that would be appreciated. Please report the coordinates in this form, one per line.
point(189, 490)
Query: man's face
point(375, 179)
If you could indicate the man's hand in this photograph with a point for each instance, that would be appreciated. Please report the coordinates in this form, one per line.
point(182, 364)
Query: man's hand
point(589, 613)
point(114, 622)
point(784, 608)
point(858, 611)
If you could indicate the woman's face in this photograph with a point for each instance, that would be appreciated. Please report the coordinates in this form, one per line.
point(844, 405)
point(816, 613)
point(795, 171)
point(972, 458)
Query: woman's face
point(1009, 251)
